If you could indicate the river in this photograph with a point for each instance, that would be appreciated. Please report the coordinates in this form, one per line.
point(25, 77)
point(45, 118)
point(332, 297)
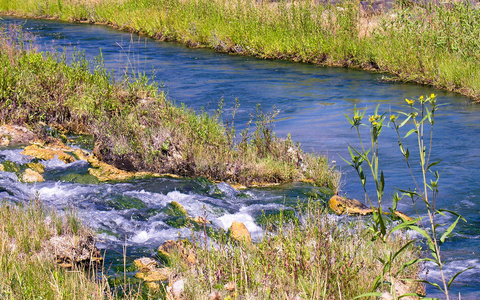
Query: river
point(312, 101)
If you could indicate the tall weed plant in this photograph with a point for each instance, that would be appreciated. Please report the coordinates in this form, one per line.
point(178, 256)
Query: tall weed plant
point(419, 115)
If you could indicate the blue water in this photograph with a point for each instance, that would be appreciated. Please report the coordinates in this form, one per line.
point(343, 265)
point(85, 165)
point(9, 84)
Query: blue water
point(312, 101)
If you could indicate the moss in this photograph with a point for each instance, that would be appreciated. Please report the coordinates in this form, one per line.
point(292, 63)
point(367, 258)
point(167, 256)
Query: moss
point(175, 209)
point(121, 201)
point(11, 167)
point(80, 178)
point(274, 219)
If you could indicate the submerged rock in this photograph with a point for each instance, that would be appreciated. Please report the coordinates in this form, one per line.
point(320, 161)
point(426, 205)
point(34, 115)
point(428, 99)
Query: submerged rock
point(32, 176)
point(175, 209)
point(239, 232)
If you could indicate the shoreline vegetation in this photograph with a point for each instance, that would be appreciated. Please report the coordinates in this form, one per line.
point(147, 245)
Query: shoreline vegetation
point(434, 45)
point(312, 256)
point(136, 128)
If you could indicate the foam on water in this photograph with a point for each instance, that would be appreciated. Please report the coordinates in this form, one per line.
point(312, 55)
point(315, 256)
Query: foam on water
point(243, 216)
point(14, 155)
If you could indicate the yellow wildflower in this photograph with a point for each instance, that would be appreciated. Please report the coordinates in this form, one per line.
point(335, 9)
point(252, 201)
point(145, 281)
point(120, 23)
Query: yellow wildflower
point(374, 123)
point(371, 119)
point(421, 98)
point(410, 102)
point(432, 96)
point(392, 118)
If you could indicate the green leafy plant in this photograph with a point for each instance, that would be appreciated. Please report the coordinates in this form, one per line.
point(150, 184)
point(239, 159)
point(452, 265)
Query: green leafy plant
point(421, 119)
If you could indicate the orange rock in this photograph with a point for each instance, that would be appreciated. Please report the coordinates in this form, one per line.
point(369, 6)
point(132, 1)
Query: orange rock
point(47, 153)
point(239, 232)
point(155, 274)
point(145, 264)
point(32, 176)
point(341, 205)
point(37, 167)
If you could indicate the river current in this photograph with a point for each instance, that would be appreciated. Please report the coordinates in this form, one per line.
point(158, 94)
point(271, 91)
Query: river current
point(312, 101)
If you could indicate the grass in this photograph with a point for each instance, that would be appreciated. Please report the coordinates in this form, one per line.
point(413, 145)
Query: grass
point(433, 45)
point(27, 271)
point(311, 257)
point(137, 128)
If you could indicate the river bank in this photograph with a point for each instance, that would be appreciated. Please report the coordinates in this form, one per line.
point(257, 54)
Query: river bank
point(439, 50)
point(136, 128)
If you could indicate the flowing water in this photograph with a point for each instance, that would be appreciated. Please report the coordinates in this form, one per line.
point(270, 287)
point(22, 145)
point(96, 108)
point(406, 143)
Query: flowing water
point(312, 102)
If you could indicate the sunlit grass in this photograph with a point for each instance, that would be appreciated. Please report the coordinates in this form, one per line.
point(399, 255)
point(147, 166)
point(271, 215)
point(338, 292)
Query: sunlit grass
point(312, 257)
point(435, 45)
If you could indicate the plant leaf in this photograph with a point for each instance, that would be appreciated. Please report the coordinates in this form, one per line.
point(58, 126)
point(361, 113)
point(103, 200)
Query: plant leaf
point(455, 276)
point(376, 294)
point(449, 230)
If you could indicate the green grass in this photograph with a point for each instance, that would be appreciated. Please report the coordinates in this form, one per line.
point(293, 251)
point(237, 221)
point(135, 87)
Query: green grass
point(312, 257)
point(436, 46)
point(26, 270)
point(137, 128)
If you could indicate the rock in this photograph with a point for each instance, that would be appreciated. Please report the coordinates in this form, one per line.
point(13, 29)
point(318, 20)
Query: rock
point(230, 286)
point(239, 232)
point(200, 220)
point(32, 176)
point(215, 295)
point(153, 286)
point(175, 289)
point(72, 249)
point(12, 135)
point(155, 274)
point(48, 152)
point(106, 172)
point(145, 264)
point(400, 289)
point(341, 205)
point(175, 209)
point(37, 167)
point(180, 248)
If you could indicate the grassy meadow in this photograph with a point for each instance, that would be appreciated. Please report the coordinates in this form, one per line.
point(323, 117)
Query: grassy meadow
point(433, 45)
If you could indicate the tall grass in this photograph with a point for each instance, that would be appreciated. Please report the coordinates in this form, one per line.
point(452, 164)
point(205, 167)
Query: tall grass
point(309, 257)
point(434, 45)
point(137, 128)
point(27, 271)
